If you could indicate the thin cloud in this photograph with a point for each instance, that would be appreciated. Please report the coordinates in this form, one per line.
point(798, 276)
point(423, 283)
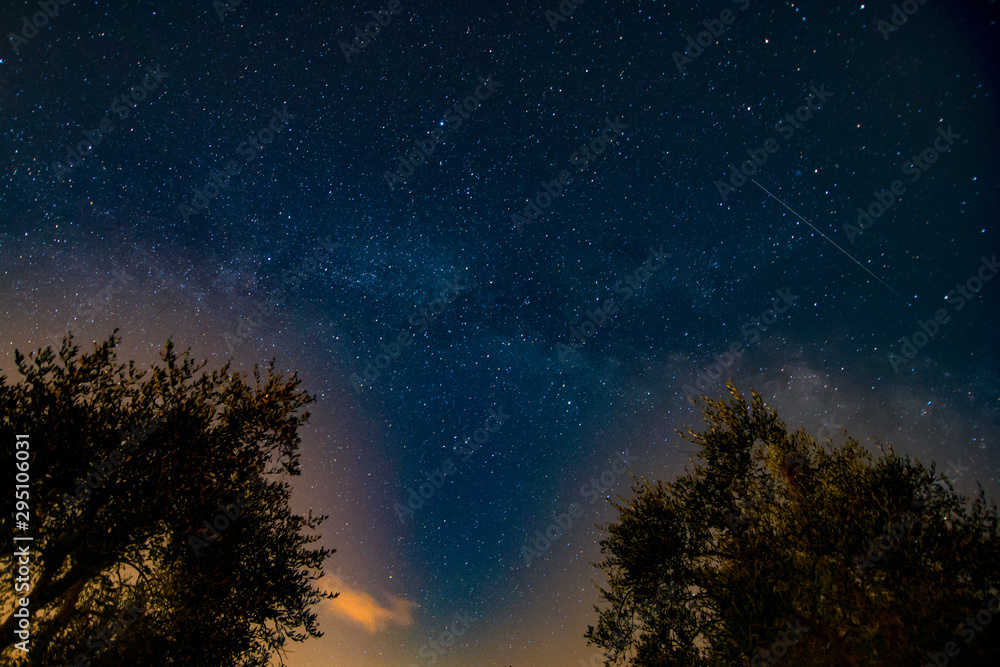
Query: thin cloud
point(362, 609)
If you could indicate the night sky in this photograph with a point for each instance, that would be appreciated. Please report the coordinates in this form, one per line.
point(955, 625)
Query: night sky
point(501, 245)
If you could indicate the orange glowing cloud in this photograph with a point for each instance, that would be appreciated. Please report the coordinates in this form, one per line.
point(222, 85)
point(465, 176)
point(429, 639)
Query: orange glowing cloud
point(360, 608)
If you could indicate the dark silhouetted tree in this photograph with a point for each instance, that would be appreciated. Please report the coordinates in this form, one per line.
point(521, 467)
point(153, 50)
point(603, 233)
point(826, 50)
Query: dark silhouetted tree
point(776, 548)
point(129, 471)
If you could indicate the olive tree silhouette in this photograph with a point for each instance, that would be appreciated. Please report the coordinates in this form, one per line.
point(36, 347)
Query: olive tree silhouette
point(774, 547)
point(160, 520)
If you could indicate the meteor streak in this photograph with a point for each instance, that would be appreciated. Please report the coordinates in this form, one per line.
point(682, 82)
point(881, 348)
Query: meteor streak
point(826, 237)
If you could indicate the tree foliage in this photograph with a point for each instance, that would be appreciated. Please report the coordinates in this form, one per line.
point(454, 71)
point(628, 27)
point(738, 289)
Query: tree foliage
point(775, 548)
point(129, 470)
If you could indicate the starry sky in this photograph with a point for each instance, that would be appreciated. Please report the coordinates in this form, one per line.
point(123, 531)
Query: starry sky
point(501, 243)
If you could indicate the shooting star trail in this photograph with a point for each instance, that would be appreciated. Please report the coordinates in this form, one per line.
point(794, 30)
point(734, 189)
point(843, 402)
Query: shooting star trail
point(827, 238)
